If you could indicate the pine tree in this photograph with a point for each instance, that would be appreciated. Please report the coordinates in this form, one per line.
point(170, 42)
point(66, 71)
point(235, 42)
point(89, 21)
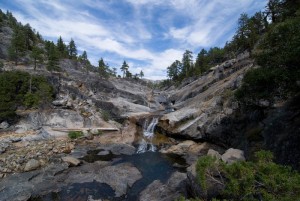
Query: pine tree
point(103, 68)
point(141, 74)
point(53, 58)
point(243, 32)
point(124, 68)
point(114, 71)
point(187, 63)
point(36, 55)
point(61, 47)
point(72, 49)
point(173, 71)
point(30, 38)
point(18, 45)
point(201, 64)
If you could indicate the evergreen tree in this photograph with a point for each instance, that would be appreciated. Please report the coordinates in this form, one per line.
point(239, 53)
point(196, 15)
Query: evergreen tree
point(36, 55)
point(30, 38)
point(103, 68)
point(61, 47)
point(141, 74)
point(53, 58)
point(274, 10)
point(39, 37)
point(114, 71)
point(243, 32)
point(173, 71)
point(128, 74)
point(84, 56)
point(201, 64)
point(18, 45)
point(72, 49)
point(124, 68)
point(187, 63)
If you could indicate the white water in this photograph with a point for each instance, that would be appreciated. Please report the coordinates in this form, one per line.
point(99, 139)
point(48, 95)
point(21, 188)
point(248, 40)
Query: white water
point(148, 132)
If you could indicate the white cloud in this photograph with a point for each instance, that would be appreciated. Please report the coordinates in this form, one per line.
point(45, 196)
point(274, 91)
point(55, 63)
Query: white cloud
point(135, 34)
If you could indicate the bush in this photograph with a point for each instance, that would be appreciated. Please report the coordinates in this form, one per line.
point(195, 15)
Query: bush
point(75, 134)
point(278, 55)
point(261, 179)
point(263, 83)
point(105, 115)
point(1, 65)
point(21, 89)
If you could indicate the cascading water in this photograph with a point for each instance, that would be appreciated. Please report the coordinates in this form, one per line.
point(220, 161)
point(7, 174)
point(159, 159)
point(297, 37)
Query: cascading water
point(148, 132)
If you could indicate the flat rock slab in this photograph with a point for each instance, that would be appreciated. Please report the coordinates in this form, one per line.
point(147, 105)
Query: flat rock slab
point(53, 178)
point(170, 191)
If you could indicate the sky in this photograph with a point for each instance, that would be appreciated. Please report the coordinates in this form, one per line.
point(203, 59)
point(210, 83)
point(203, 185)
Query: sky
point(148, 34)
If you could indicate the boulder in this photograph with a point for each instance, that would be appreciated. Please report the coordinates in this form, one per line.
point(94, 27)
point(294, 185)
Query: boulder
point(181, 148)
point(233, 155)
point(173, 189)
point(3, 147)
point(71, 160)
point(4, 125)
point(214, 153)
point(58, 103)
point(32, 164)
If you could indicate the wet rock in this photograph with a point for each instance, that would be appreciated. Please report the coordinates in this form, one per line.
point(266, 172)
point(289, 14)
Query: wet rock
point(232, 155)
point(120, 177)
point(4, 125)
point(119, 149)
point(103, 153)
point(71, 160)
point(181, 148)
point(174, 188)
point(32, 164)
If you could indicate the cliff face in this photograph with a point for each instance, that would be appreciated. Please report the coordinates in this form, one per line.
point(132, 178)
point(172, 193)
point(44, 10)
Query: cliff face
point(205, 109)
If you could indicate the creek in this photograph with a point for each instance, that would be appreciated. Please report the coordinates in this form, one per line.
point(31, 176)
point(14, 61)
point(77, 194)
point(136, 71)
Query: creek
point(152, 165)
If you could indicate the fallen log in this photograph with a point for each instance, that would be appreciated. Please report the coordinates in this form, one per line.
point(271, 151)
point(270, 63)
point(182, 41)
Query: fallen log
point(84, 129)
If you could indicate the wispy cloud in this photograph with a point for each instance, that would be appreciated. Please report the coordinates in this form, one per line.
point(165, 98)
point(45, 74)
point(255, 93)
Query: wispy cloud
point(149, 34)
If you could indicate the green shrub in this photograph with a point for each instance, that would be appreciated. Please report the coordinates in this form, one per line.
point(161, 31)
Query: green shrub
point(105, 115)
point(75, 134)
point(204, 165)
point(21, 89)
point(261, 179)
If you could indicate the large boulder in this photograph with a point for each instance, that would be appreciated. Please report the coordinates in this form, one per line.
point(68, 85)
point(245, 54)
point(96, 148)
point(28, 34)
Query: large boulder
point(214, 153)
point(233, 155)
point(4, 125)
point(173, 189)
point(32, 164)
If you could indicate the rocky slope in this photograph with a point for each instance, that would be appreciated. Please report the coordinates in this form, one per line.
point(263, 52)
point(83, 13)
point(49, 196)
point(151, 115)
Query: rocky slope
point(206, 110)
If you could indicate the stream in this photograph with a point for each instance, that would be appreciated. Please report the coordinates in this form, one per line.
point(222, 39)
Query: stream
point(152, 165)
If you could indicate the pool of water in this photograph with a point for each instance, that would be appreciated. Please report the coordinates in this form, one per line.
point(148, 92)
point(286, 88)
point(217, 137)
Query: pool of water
point(152, 165)
point(80, 192)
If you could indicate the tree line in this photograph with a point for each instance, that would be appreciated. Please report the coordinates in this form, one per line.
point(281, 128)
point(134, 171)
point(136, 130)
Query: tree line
point(26, 41)
point(250, 34)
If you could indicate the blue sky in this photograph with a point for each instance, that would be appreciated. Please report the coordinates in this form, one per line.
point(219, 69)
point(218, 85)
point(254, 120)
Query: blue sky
point(148, 34)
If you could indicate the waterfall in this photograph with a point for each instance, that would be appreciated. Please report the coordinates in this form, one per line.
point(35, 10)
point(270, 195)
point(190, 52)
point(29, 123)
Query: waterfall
point(148, 132)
